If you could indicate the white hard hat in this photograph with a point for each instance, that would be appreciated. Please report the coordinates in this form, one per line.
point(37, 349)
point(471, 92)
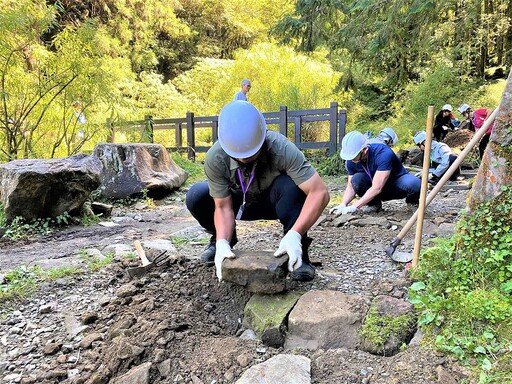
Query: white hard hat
point(391, 133)
point(447, 107)
point(463, 108)
point(242, 129)
point(352, 144)
point(419, 137)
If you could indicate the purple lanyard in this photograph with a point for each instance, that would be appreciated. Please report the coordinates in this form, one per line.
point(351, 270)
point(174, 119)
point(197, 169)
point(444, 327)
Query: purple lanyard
point(367, 169)
point(242, 184)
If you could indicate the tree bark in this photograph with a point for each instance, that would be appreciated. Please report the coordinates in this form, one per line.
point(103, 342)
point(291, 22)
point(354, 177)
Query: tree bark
point(494, 172)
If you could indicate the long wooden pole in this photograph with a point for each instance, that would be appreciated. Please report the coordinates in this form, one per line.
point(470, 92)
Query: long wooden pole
point(424, 187)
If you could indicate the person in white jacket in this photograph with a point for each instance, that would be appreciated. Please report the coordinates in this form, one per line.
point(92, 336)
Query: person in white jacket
point(441, 157)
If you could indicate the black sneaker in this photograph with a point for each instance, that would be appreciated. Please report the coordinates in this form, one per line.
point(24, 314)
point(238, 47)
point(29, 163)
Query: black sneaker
point(373, 208)
point(208, 255)
point(306, 272)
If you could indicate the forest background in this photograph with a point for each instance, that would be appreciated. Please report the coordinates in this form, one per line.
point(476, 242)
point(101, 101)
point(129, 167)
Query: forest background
point(382, 61)
point(68, 66)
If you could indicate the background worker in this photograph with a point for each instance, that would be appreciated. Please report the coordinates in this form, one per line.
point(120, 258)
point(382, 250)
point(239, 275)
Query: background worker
point(441, 157)
point(242, 94)
point(444, 122)
point(375, 174)
point(477, 119)
point(387, 136)
point(257, 174)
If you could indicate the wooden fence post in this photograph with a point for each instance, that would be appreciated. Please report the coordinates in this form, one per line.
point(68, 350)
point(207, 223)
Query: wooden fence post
point(333, 127)
point(283, 120)
point(342, 121)
point(147, 135)
point(191, 137)
point(215, 129)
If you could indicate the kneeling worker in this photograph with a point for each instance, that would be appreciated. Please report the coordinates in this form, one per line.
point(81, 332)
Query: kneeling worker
point(387, 136)
point(441, 157)
point(375, 174)
point(256, 174)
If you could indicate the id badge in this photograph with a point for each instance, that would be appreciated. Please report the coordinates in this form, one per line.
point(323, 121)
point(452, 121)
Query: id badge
point(240, 211)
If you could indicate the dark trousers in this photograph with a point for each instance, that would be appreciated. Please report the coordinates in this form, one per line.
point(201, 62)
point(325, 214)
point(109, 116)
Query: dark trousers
point(455, 174)
point(407, 186)
point(483, 144)
point(282, 201)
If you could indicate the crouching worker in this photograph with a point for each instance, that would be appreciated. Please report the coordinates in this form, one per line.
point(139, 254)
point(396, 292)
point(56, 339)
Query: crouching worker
point(441, 157)
point(256, 174)
point(375, 174)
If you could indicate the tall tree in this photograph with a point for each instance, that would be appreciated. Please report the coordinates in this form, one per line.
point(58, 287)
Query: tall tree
point(312, 24)
point(35, 80)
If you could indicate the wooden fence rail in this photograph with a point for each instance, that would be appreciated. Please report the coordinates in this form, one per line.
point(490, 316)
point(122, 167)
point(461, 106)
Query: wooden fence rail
point(283, 119)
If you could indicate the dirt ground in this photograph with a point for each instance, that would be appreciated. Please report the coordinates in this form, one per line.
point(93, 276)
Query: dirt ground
point(94, 327)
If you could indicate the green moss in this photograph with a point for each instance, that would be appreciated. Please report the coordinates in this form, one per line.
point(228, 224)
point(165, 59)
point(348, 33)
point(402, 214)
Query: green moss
point(263, 312)
point(377, 329)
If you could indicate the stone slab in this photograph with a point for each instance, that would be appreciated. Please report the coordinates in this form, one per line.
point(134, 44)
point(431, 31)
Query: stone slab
point(326, 319)
point(257, 271)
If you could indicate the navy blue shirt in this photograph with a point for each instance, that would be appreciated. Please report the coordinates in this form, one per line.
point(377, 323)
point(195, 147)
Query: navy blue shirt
point(380, 158)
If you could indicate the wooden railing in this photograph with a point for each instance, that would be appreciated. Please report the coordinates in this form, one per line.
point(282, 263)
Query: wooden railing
point(283, 119)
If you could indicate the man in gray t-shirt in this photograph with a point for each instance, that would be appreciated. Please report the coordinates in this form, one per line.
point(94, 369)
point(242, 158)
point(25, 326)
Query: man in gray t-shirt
point(242, 94)
point(257, 174)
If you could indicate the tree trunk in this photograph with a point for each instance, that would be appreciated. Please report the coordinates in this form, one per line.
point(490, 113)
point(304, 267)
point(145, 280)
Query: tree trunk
point(507, 39)
point(494, 172)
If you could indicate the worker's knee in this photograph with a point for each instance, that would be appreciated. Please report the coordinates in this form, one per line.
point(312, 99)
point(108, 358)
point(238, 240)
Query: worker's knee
point(360, 183)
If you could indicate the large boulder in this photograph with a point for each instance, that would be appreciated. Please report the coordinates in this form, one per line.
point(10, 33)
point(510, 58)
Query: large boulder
point(129, 169)
point(47, 188)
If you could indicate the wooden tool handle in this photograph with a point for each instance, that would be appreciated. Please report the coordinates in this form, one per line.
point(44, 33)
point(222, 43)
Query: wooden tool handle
point(141, 253)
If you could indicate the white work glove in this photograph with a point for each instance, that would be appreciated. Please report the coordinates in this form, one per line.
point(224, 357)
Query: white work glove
point(342, 209)
point(337, 209)
point(291, 244)
point(349, 209)
point(222, 251)
point(446, 128)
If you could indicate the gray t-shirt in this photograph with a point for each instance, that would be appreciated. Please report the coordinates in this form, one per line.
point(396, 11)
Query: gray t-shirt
point(279, 156)
point(240, 96)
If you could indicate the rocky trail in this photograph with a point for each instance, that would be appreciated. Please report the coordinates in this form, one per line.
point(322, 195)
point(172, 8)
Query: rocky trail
point(178, 324)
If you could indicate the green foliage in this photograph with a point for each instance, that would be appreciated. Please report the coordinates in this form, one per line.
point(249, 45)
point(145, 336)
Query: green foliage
point(88, 220)
point(58, 273)
point(95, 263)
point(194, 169)
point(19, 283)
point(3, 221)
point(463, 287)
point(22, 281)
point(19, 228)
point(439, 87)
point(330, 166)
point(183, 240)
point(313, 23)
point(40, 80)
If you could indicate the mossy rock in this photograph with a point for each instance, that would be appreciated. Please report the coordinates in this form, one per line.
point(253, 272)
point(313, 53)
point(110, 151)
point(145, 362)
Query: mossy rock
point(389, 325)
point(267, 315)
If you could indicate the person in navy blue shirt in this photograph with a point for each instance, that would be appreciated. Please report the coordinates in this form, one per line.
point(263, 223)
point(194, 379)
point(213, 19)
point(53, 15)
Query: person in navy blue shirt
point(375, 174)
